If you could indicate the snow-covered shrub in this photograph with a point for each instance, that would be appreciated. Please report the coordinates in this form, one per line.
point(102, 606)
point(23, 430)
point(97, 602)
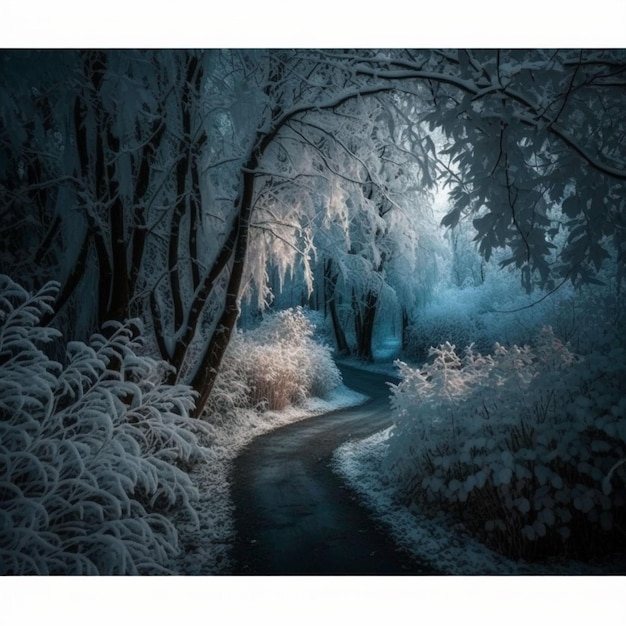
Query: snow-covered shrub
point(275, 365)
point(524, 445)
point(90, 449)
point(321, 325)
point(499, 310)
point(471, 315)
point(593, 319)
point(442, 322)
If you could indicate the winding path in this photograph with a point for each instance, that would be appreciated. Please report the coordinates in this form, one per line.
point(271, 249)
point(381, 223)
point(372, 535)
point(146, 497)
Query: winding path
point(293, 515)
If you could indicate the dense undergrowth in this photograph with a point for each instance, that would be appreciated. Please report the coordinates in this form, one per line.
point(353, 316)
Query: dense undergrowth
point(96, 449)
point(93, 449)
point(498, 311)
point(275, 365)
point(524, 445)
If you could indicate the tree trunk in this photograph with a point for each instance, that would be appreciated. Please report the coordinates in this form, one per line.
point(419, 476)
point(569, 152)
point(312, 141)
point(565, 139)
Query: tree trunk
point(364, 319)
point(405, 327)
point(330, 283)
point(202, 294)
point(206, 373)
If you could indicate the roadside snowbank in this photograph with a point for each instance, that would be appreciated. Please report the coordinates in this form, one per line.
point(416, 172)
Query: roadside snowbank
point(438, 540)
point(205, 549)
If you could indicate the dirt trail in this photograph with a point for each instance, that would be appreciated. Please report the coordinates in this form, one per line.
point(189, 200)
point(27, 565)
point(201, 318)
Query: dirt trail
point(295, 516)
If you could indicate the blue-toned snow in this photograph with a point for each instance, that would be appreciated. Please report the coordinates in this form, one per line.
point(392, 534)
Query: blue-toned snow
point(450, 550)
point(437, 540)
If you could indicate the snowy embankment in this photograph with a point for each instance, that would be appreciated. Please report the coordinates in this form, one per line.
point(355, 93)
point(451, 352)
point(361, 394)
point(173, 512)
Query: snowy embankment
point(205, 548)
point(440, 539)
point(437, 540)
point(359, 463)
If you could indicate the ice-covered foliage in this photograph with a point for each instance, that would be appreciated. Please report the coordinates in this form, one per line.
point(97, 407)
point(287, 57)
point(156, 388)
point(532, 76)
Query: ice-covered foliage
point(473, 314)
point(91, 449)
point(499, 310)
point(274, 365)
point(524, 445)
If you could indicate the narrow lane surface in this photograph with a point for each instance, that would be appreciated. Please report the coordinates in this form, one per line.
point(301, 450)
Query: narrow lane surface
point(294, 515)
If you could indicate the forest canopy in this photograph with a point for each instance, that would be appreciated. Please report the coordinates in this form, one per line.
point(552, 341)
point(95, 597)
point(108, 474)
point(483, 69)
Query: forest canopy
point(177, 185)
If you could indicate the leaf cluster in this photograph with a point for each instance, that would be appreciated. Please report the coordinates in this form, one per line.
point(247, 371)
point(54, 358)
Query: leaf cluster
point(524, 445)
point(93, 450)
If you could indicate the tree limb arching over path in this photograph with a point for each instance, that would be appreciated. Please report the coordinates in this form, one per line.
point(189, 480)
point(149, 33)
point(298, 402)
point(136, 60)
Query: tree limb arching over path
point(293, 515)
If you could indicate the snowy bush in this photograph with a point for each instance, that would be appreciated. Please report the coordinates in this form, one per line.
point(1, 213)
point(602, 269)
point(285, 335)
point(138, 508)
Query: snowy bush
point(91, 449)
point(524, 445)
point(440, 322)
point(470, 315)
point(498, 310)
point(275, 365)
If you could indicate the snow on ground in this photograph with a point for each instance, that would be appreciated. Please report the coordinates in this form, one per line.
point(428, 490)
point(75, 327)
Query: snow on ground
point(205, 547)
point(437, 540)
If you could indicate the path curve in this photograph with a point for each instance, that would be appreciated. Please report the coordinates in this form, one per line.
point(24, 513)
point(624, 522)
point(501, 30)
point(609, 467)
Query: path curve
point(293, 514)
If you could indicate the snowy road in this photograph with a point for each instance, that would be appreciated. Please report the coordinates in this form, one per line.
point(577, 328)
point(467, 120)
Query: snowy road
point(293, 514)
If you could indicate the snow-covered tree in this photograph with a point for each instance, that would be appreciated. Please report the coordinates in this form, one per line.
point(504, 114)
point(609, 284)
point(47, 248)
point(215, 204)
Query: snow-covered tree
point(369, 218)
point(517, 157)
point(162, 183)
